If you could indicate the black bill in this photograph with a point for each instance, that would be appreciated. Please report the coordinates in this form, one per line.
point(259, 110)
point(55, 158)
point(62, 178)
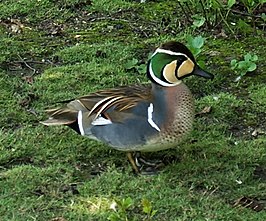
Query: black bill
point(199, 72)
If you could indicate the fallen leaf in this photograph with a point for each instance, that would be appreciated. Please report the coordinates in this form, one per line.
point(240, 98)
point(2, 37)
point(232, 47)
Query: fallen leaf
point(113, 206)
point(237, 79)
point(222, 34)
point(16, 26)
point(257, 132)
point(213, 53)
point(28, 79)
point(205, 110)
point(58, 219)
point(77, 36)
point(32, 111)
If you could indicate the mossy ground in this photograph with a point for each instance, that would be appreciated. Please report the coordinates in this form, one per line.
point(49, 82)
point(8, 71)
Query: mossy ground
point(53, 51)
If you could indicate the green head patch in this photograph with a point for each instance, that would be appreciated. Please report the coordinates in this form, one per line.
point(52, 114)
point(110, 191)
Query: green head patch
point(167, 68)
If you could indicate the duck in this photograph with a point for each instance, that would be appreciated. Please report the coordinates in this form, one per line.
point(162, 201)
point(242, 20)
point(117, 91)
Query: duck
point(139, 118)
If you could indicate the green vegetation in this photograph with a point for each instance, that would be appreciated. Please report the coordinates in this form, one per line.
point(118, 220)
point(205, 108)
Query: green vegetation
point(245, 66)
point(53, 51)
point(214, 13)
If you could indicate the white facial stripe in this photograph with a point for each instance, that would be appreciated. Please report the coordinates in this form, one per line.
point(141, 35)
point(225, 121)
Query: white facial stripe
point(164, 51)
point(158, 80)
point(81, 129)
point(150, 120)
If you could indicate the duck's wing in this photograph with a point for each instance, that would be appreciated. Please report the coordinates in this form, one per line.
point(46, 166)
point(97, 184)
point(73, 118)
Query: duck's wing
point(101, 107)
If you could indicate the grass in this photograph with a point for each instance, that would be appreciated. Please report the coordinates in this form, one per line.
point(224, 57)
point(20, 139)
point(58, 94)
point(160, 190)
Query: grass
point(63, 50)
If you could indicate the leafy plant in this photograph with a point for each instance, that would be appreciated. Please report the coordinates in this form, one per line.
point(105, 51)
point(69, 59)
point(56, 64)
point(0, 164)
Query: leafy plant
point(230, 3)
point(263, 16)
point(244, 27)
point(147, 209)
point(198, 20)
point(122, 207)
point(135, 65)
point(195, 44)
point(251, 5)
point(204, 12)
point(120, 213)
point(214, 13)
point(244, 66)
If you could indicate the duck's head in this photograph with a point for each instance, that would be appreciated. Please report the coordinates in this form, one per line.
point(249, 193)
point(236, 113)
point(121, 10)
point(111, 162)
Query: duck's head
point(171, 62)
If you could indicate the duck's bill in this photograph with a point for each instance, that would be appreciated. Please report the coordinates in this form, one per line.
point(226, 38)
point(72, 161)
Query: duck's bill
point(199, 72)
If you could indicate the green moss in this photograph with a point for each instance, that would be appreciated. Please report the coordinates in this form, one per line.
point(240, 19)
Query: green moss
point(111, 6)
point(257, 95)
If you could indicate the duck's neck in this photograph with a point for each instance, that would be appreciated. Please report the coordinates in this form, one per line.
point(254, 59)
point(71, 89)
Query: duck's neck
point(165, 98)
point(159, 91)
point(170, 101)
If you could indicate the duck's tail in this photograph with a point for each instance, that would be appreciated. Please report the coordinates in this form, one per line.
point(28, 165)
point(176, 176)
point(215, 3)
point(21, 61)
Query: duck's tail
point(60, 116)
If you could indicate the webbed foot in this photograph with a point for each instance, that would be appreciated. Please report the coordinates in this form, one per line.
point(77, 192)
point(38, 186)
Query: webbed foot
point(143, 166)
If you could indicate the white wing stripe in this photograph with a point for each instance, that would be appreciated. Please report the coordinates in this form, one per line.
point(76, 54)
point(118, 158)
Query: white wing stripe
point(81, 129)
point(100, 121)
point(150, 120)
point(106, 105)
point(98, 104)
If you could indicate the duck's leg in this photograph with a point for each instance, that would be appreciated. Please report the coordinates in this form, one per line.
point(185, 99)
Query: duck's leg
point(132, 160)
point(141, 161)
point(143, 166)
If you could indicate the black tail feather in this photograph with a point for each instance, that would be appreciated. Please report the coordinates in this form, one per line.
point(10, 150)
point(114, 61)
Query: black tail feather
point(74, 126)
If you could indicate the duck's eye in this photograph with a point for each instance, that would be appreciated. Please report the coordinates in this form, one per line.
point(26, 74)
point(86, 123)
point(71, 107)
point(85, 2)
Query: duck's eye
point(185, 68)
